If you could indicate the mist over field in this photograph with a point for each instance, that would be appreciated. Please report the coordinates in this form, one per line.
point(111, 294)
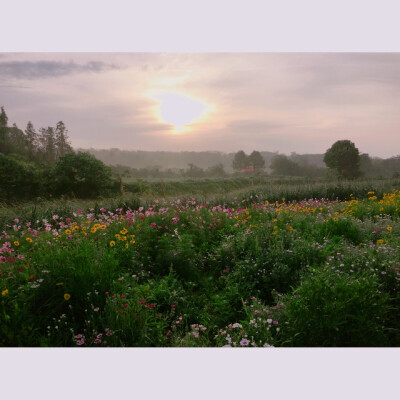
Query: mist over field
point(199, 200)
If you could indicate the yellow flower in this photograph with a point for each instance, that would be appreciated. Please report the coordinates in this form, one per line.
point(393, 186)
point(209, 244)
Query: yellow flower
point(103, 227)
point(132, 241)
point(67, 296)
point(389, 228)
point(371, 192)
point(126, 245)
point(266, 202)
point(84, 228)
point(28, 239)
point(67, 232)
point(112, 243)
point(124, 231)
point(58, 237)
point(16, 243)
point(93, 230)
point(335, 219)
point(118, 236)
point(275, 227)
point(75, 228)
point(60, 283)
point(4, 292)
point(380, 241)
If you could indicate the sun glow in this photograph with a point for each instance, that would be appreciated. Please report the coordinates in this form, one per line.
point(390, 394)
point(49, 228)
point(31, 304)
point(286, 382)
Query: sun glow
point(180, 110)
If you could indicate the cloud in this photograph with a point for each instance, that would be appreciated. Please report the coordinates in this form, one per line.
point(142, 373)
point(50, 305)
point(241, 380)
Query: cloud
point(48, 69)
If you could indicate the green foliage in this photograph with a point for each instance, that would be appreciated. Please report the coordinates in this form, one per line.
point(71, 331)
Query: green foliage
point(344, 158)
point(334, 309)
point(240, 161)
point(81, 175)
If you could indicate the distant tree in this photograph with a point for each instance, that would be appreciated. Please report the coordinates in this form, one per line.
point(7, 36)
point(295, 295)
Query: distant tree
point(62, 144)
point(31, 137)
point(82, 175)
point(18, 179)
point(343, 158)
point(216, 170)
point(17, 140)
point(4, 148)
point(194, 171)
point(241, 160)
point(281, 165)
point(256, 160)
point(366, 167)
point(47, 142)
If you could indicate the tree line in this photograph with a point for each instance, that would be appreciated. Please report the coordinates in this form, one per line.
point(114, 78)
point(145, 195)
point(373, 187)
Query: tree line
point(42, 163)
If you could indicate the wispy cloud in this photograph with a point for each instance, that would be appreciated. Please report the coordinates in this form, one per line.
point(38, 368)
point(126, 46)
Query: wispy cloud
point(49, 69)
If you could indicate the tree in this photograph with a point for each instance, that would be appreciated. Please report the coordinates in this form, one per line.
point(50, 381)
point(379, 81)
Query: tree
point(256, 160)
point(281, 165)
point(241, 160)
point(47, 141)
point(62, 143)
point(3, 131)
point(343, 158)
point(216, 170)
point(366, 166)
point(82, 175)
point(31, 140)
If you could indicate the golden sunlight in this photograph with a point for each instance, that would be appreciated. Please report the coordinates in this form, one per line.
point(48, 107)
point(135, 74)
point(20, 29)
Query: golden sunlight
point(179, 110)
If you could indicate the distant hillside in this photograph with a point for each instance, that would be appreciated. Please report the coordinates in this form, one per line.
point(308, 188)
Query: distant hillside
point(180, 160)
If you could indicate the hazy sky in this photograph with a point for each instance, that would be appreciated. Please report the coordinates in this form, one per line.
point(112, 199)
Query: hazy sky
point(209, 101)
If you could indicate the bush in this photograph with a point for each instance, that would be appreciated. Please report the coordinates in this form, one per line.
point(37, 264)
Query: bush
point(82, 175)
point(334, 309)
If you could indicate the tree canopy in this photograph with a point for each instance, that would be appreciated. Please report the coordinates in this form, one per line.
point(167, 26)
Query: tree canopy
point(343, 158)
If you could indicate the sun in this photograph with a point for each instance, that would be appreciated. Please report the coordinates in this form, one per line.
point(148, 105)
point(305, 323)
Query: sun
point(179, 110)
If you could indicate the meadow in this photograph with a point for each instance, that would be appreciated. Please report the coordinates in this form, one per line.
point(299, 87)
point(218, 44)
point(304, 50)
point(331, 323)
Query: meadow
point(245, 263)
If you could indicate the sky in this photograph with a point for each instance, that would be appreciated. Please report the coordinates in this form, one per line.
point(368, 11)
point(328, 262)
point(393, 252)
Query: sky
point(285, 102)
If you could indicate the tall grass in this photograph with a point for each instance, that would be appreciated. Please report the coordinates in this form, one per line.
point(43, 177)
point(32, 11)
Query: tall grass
point(214, 191)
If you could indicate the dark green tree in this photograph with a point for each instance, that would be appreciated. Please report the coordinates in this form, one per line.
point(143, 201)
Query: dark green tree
point(48, 149)
point(31, 140)
point(4, 147)
point(343, 158)
point(256, 161)
point(63, 146)
point(281, 165)
point(241, 160)
point(82, 175)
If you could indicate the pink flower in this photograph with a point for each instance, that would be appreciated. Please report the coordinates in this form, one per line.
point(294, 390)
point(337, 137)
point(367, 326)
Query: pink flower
point(153, 224)
point(244, 342)
point(96, 309)
point(78, 336)
point(151, 305)
point(80, 342)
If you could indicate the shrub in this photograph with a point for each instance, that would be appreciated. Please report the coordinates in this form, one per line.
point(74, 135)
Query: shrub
point(334, 309)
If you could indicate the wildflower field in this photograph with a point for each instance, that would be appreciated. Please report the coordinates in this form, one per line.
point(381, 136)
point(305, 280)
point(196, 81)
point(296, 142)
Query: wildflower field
point(240, 273)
